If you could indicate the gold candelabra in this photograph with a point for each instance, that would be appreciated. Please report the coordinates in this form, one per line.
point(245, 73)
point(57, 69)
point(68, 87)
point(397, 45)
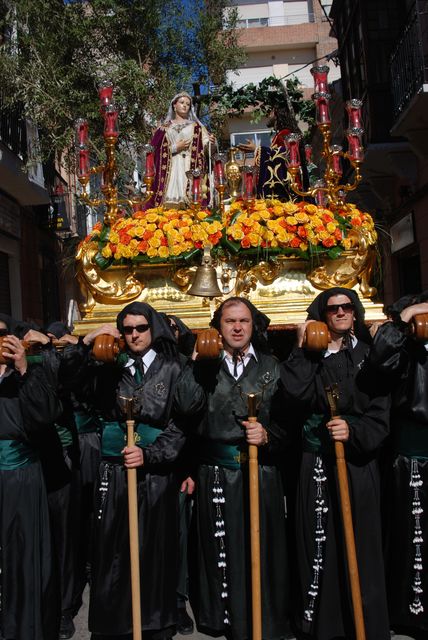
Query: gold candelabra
point(109, 170)
point(329, 190)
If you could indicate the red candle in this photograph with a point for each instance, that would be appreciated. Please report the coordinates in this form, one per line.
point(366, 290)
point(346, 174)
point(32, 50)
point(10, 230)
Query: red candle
point(196, 186)
point(320, 78)
point(292, 141)
point(82, 132)
point(218, 171)
point(110, 121)
point(248, 183)
point(335, 159)
point(353, 107)
point(148, 161)
point(355, 149)
point(105, 92)
point(320, 197)
point(83, 163)
point(322, 110)
point(150, 164)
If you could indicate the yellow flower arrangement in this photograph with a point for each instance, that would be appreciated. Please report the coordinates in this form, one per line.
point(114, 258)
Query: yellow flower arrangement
point(159, 233)
point(298, 228)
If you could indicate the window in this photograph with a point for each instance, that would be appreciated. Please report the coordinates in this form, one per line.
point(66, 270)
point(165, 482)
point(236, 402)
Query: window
point(5, 302)
point(252, 22)
point(262, 138)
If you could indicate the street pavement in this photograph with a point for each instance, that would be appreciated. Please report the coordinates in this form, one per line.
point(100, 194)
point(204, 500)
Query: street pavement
point(82, 633)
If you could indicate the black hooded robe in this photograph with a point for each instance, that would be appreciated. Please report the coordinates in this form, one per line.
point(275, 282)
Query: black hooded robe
point(110, 610)
point(219, 593)
point(30, 606)
point(404, 361)
point(325, 611)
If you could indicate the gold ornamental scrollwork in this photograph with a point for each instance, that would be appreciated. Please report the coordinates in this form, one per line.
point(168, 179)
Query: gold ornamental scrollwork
point(247, 278)
point(183, 277)
point(112, 286)
point(352, 267)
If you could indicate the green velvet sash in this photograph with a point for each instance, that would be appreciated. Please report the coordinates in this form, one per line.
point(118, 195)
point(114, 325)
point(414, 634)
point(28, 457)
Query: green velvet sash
point(311, 441)
point(224, 455)
point(113, 439)
point(64, 435)
point(411, 439)
point(84, 422)
point(14, 455)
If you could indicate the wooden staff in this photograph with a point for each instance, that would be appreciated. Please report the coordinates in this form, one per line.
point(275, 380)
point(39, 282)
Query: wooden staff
point(134, 550)
point(345, 503)
point(253, 477)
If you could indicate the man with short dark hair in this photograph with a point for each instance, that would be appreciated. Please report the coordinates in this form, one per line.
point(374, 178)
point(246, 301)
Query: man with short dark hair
point(216, 393)
point(146, 373)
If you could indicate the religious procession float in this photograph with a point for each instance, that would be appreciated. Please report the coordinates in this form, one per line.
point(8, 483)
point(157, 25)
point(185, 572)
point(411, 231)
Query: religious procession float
point(278, 254)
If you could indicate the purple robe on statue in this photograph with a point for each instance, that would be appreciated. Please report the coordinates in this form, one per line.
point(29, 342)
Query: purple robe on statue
point(170, 168)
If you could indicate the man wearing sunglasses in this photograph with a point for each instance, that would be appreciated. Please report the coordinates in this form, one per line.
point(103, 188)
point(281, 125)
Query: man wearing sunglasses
point(323, 609)
point(146, 372)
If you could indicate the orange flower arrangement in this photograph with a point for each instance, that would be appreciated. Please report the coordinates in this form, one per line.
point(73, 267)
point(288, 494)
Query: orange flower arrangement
point(297, 228)
point(158, 234)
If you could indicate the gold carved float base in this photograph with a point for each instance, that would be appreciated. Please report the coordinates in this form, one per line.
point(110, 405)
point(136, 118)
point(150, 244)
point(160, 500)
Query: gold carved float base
point(282, 287)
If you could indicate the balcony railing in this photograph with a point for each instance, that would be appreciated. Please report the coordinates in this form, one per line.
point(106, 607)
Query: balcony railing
point(409, 61)
point(278, 21)
point(13, 132)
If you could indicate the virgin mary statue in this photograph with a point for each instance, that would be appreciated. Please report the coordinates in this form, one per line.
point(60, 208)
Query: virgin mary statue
point(180, 145)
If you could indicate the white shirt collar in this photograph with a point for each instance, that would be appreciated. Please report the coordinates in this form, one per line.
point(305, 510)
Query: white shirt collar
point(329, 352)
point(250, 352)
point(147, 359)
point(227, 357)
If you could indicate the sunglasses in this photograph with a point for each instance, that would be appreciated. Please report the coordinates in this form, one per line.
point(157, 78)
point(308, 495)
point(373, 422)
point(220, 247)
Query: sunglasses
point(347, 307)
point(140, 328)
point(3, 333)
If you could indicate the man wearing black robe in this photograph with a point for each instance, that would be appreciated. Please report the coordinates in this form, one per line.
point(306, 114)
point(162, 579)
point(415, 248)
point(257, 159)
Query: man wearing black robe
point(324, 609)
point(403, 360)
point(29, 606)
point(215, 392)
point(146, 373)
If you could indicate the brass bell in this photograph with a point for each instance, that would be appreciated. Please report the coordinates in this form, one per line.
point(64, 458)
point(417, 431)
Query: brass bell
point(205, 280)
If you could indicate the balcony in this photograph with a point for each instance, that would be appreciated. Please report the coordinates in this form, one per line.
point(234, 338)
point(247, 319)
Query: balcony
point(13, 132)
point(409, 80)
point(21, 179)
point(277, 21)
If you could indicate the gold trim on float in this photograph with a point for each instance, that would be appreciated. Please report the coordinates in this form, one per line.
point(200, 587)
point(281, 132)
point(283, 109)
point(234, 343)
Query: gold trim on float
point(282, 287)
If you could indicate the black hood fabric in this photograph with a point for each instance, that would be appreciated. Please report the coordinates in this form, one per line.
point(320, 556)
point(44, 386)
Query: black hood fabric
point(317, 310)
point(186, 339)
point(260, 323)
point(393, 310)
point(9, 321)
point(58, 329)
point(21, 328)
point(163, 340)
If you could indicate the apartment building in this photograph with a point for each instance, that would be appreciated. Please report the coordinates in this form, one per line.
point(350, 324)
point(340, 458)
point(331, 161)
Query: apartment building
point(281, 38)
point(383, 56)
